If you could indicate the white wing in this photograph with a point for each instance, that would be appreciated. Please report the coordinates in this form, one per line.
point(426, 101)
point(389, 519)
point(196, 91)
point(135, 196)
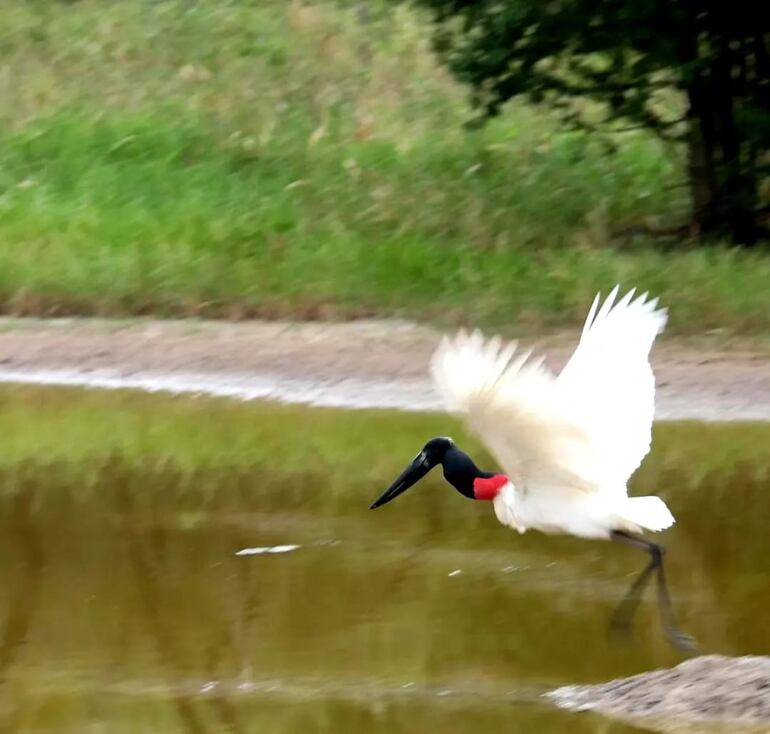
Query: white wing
point(513, 404)
point(586, 430)
point(608, 381)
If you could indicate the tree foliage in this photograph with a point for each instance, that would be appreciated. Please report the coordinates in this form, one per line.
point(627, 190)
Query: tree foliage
point(692, 71)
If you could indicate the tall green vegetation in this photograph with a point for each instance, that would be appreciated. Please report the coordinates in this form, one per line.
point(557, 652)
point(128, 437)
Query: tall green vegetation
point(305, 159)
point(690, 71)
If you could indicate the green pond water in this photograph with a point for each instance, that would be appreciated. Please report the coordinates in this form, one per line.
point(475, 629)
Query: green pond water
point(124, 607)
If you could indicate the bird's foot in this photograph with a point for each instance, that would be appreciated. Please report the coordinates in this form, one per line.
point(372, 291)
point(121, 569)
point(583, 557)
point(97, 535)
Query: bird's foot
point(621, 628)
point(682, 641)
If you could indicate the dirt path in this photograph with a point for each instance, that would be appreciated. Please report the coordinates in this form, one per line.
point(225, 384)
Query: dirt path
point(365, 363)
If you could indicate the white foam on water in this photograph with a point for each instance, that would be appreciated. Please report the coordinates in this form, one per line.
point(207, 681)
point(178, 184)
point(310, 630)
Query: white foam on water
point(267, 549)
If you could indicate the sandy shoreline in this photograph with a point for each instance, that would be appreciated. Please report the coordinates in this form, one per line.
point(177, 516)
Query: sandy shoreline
point(357, 364)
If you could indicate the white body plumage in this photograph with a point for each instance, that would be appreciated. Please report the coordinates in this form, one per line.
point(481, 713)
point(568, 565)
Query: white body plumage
point(567, 443)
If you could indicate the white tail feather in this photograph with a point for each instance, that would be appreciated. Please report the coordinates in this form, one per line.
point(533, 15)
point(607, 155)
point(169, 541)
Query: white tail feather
point(649, 513)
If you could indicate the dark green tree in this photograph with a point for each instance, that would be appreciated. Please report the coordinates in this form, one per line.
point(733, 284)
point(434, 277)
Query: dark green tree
point(692, 71)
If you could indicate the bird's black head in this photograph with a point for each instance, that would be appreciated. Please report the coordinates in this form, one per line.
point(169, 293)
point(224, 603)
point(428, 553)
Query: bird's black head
point(435, 450)
point(430, 455)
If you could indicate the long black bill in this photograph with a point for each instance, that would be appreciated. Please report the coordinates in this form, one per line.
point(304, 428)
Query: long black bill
point(411, 475)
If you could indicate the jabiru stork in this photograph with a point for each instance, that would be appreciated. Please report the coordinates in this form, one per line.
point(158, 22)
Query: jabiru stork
point(568, 444)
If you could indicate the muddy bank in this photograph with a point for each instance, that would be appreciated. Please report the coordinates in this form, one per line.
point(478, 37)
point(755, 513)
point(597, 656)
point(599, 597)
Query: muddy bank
point(358, 364)
point(712, 693)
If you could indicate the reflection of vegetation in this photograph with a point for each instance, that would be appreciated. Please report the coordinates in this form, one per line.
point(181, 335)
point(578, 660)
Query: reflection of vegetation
point(142, 501)
point(21, 593)
point(145, 553)
point(356, 450)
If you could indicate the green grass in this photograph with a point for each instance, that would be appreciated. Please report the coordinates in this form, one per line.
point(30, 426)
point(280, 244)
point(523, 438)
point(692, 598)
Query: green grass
point(241, 159)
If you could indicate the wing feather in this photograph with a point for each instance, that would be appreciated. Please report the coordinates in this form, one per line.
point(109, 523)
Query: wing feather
point(587, 429)
point(511, 402)
point(608, 382)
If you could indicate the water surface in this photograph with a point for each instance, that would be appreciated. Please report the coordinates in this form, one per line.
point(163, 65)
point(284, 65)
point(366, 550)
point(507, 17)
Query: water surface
point(124, 605)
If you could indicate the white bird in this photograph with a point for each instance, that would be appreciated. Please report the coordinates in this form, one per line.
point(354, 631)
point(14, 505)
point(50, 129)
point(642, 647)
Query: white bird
point(568, 444)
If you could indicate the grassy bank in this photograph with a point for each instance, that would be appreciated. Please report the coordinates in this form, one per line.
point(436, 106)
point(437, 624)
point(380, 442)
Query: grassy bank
point(281, 159)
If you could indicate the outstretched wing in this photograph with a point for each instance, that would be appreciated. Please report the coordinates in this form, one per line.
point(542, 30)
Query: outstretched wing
point(582, 430)
point(512, 403)
point(608, 381)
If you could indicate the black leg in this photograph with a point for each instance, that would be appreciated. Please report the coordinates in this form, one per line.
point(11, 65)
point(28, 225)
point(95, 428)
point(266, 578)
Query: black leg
point(625, 611)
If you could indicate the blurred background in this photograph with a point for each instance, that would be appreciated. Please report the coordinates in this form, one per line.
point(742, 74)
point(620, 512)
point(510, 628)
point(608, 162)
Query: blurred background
point(347, 180)
point(329, 159)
